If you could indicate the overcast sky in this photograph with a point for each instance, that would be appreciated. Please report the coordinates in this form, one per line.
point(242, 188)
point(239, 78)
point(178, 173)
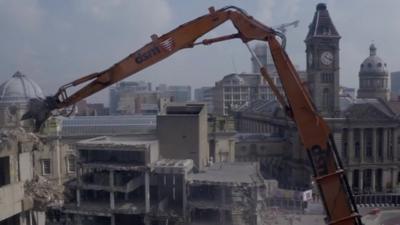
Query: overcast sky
point(54, 42)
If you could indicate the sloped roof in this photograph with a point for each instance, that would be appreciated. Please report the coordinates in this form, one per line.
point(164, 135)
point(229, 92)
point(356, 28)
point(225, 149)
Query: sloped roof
point(229, 173)
point(265, 107)
point(369, 109)
point(322, 25)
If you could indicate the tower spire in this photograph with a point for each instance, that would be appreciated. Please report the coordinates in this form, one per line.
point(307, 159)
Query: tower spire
point(372, 50)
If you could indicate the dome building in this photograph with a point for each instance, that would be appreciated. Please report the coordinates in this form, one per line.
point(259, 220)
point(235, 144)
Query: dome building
point(374, 77)
point(14, 97)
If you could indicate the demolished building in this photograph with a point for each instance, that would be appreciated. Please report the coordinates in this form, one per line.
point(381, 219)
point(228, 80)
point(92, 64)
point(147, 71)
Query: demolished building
point(226, 193)
point(123, 180)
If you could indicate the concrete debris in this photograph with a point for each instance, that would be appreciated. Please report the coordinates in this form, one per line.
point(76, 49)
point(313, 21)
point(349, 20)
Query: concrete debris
point(18, 134)
point(44, 193)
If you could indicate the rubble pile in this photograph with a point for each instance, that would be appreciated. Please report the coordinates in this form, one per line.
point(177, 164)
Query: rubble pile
point(44, 193)
point(18, 134)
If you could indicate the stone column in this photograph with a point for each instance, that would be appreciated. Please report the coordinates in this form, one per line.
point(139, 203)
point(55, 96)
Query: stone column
point(223, 202)
point(78, 197)
point(78, 191)
point(350, 144)
point(374, 145)
point(394, 144)
point(385, 144)
point(184, 197)
point(362, 145)
point(112, 220)
point(111, 184)
point(361, 180)
point(373, 180)
point(147, 190)
point(394, 178)
point(350, 178)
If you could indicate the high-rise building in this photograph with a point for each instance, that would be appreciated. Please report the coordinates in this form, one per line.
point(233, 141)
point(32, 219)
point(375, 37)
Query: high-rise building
point(264, 56)
point(176, 93)
point(122, 96)
point(395, 84)
point(205, 94)
point(322, 48)
point(83, 108)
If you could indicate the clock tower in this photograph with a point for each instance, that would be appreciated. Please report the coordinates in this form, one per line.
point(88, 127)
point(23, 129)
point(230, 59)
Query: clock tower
point(322, 49)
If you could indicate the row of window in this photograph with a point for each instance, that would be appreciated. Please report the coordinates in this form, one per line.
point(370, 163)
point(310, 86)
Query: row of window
point(327, 77)
point(47, 168)
point(236, 97)
point(374, 83)
point(368, 144)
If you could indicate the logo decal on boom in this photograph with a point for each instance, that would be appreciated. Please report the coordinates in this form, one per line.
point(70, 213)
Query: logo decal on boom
point(168, 44)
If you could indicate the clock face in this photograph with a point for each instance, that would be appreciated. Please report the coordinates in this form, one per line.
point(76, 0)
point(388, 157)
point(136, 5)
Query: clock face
point(326, 58)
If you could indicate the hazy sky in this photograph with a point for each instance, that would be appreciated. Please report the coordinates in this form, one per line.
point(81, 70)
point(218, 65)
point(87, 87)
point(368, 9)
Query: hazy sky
point(57, 41)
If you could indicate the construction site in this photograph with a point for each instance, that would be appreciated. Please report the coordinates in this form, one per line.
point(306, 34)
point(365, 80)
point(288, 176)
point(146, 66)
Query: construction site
point(275, 146)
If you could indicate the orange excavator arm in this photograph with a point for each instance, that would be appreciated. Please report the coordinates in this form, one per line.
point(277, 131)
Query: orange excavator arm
point(314, 132)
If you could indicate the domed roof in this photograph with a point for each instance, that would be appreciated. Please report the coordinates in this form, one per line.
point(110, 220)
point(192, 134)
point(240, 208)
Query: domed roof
point(19, 89)
point(373, 64)
point(234, 79)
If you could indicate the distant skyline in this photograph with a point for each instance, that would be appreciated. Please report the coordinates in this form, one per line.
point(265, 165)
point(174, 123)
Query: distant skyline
point(55, 42)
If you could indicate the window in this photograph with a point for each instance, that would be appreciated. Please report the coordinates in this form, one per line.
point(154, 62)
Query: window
point(227, 89)
point(253, 148)
point(344, 143)
point(380, 143)
point(368, 143)
point(4, 171)
point(227, 97)
point(46, 167)
point(326, 104)
point(71, 164)
point(390, 144)
point(357, 141)
point(327, 77)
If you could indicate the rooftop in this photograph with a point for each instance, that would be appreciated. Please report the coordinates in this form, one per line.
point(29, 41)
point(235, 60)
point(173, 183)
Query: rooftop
point(172, 165)
point(19, 89)
point(112, 142)
point(242, 137)
point(90, 126)
point(231, 174)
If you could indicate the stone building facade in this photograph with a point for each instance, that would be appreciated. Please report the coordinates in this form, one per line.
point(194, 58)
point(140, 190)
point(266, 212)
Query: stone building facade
point(366, 131)
point(17, 151)
point(368, 140)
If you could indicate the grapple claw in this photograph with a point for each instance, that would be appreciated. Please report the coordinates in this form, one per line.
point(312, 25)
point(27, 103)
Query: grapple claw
point(39, 110)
